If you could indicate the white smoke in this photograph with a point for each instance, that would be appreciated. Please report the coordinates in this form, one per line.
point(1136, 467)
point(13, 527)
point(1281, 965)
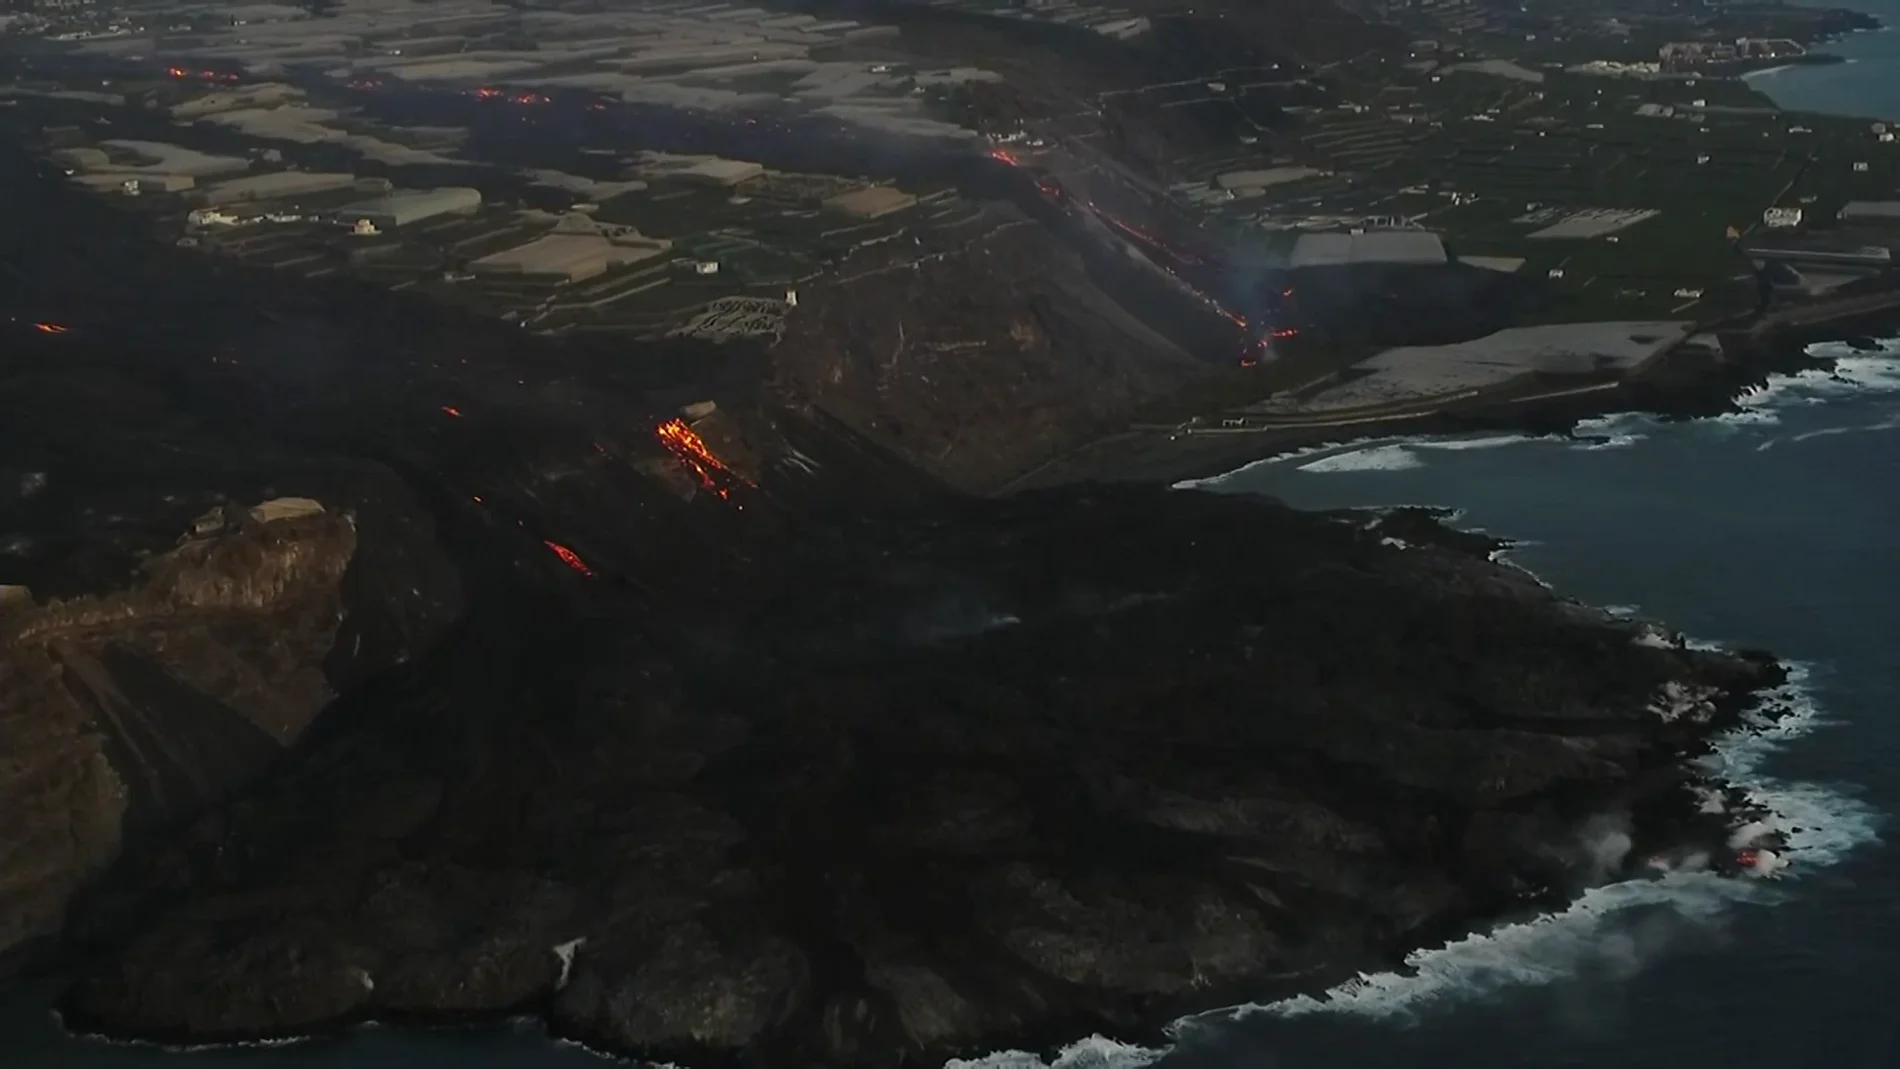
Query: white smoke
point(1601, 849)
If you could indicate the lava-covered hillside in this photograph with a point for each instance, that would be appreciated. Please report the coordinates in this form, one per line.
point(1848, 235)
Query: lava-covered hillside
point(748, 737)
point(978, 364)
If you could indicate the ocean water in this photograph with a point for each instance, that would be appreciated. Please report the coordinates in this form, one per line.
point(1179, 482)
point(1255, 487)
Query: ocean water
point(1868, 84)
point(1772, 528)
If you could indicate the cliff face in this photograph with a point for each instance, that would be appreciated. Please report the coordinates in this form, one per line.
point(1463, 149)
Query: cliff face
point(124, 711)
point(978, 362)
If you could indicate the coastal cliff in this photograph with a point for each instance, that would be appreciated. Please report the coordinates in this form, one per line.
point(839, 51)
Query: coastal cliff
point(995, 774)
point(723, 730)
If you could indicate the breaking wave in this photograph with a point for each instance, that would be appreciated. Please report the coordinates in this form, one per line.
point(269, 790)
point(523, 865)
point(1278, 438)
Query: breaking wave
point(1094, 1052)
point(1616, 929)
point(1607, 432)
point(1460, 445)
point(1620, 927)
point(1401, 456)
point(1597, 931)
point(1856, 371)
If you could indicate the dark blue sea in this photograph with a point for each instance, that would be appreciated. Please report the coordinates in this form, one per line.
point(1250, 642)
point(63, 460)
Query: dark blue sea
point(1773, 528)
point(1776, 528)
point(1867, 85)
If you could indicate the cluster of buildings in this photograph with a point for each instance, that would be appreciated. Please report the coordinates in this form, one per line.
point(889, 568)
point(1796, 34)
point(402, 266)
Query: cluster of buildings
point(1693, 55)
point(231, 193)
point(1862, 243)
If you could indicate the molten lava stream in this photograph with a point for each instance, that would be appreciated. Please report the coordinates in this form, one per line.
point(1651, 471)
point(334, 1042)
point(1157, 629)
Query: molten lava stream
point(690, 450)
point(568, 557)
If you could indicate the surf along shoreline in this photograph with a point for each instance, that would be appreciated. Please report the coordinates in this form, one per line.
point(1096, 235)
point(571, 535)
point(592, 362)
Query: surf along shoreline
point(1743, 710)
point(1695, 392)
point(1743, 713)
point(1679, 384)
point(1781, 353)
point(1770, 350)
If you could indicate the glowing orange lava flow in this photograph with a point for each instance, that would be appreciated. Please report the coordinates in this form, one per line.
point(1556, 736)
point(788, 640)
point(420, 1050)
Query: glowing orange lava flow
point(569, 557)
point(49, 328)
point(690, 450)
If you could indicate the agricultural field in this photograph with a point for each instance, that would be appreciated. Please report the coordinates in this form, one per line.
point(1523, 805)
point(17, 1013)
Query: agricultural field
point(1576, 147)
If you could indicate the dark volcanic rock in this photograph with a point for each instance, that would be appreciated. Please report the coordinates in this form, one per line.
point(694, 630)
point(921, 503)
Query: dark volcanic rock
point(809, 763)
point(980, 362)
point(126, 710)
point(1161, 747)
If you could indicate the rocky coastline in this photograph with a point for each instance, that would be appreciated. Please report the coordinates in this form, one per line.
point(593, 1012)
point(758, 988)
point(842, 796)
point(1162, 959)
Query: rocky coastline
point(754, 742)
point(864, 850)
point(1683, 387)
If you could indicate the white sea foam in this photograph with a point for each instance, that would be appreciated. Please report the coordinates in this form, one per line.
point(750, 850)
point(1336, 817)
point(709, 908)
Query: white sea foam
point(1619, 431)
point(1856, 371)
point(1388, 455)
point(1615, 425)
point(1094, 1052)
point(1301, 453)
point(1616, 925)
point(184, 1048)
point(1614, 441)
point(1820, 826)
point(1617, 928)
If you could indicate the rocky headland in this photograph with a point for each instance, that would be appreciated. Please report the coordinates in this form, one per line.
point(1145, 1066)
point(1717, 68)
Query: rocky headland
point(712, 720)
point(987, 774)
